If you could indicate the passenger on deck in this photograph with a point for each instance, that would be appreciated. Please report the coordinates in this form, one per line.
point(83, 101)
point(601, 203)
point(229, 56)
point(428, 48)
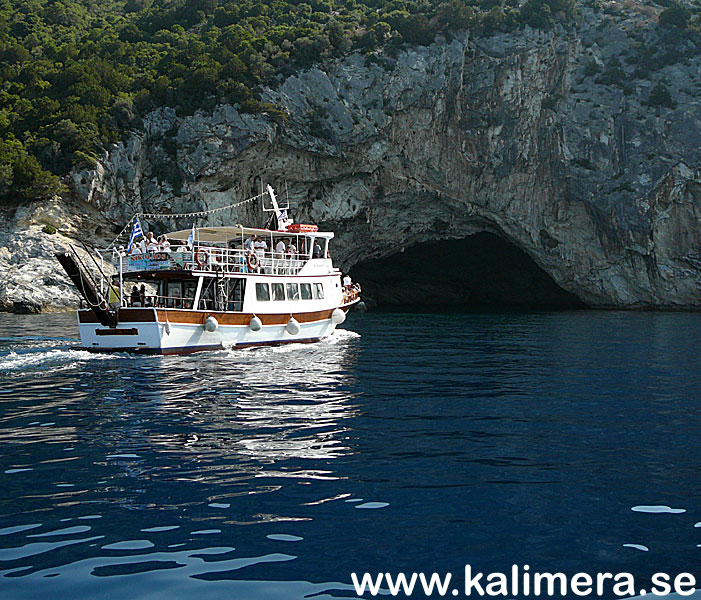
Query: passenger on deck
point(260, 246)
point(280, 249)
point(291, 251)
point(248, 244)
point(134, 297)
point(136, 249)
point(163, 244)
point(316, 250)
point(142, 295)
point(151, 242)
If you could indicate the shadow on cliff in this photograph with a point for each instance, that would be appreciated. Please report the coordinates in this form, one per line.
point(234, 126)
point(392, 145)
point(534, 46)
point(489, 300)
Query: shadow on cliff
point(482, 271)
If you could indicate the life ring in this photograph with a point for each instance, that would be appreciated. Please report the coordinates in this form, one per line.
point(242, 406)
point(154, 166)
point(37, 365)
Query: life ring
point(252, 261)
point(198, 254)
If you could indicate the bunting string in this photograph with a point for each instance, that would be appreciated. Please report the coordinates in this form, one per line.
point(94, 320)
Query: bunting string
point(201, 213)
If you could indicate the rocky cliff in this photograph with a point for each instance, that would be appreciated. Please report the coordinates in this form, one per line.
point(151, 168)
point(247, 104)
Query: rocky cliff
point(555, 141)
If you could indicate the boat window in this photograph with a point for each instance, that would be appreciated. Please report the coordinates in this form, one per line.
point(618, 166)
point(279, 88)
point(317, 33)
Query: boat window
point(318, 291)
point(262, 292)
point(292, 291)
point(174, 295)
point(189, 289)
point(236, 291)
point(305, 291)
point(207, 294)
point(278, 291)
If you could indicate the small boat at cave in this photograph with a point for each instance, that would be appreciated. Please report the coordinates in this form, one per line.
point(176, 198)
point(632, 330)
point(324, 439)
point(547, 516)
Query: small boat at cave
point(210, 288)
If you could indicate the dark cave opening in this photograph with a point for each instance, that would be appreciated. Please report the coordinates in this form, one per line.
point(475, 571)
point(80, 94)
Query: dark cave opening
point(481, 271)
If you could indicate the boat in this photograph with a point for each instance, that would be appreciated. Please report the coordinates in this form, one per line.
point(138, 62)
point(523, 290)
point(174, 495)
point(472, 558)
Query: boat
point(210, 288)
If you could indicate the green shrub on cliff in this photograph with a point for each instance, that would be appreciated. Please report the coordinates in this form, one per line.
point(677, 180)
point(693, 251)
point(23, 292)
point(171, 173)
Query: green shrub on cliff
point(675, 16)
point(21, 175)
point(660, 96)
point(542, 14)
point(78, 75)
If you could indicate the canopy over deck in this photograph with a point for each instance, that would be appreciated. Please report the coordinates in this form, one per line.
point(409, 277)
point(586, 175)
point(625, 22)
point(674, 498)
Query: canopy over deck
point(226, 234)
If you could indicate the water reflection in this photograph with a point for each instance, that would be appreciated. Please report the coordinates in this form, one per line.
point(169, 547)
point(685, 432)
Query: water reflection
point(429, 442)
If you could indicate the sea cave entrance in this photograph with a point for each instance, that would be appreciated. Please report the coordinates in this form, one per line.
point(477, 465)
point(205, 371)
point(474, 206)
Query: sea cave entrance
point(482, 271)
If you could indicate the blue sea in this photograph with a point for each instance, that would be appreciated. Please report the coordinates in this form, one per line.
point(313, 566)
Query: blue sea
point(566, 441)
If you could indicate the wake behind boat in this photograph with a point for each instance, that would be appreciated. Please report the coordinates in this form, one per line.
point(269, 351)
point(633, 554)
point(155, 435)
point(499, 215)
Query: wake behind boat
point(209, 288)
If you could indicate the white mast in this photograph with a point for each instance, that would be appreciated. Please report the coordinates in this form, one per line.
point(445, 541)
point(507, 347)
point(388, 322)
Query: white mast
point(283, 219)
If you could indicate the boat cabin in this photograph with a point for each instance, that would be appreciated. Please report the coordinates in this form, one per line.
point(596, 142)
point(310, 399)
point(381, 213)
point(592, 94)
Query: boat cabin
point(209, 268)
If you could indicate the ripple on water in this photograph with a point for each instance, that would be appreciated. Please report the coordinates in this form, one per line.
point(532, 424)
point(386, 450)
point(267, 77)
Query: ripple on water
point(260, 449)
point(18, 528)
point(284, 537)
point(658, 509)
point(372, 505)
point(65, 531)
point(129, 545)
point(637, 547)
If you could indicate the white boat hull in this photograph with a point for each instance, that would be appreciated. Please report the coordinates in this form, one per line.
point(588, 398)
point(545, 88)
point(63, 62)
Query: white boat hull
point(158, 331)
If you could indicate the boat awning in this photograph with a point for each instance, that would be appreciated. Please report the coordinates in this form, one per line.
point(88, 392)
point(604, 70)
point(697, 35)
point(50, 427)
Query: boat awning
point(225, 234)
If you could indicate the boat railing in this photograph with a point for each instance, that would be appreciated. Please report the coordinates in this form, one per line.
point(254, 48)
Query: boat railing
point(215, 259)
point(351, 293)
point(155, 301)
point(180, 302)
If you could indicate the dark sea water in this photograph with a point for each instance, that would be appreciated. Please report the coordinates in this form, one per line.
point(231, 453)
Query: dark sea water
point(404, 443)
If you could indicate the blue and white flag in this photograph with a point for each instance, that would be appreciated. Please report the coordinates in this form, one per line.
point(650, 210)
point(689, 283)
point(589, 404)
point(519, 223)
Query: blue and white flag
point(283, 216)
point(135, 232)
point(191, 237)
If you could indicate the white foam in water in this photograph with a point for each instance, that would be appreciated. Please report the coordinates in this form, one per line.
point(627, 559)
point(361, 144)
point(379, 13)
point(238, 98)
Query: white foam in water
point(342, 335)
point(658, 509)
point(698, 524)
point(17, 361)
point(637, 547)
point(219, 505)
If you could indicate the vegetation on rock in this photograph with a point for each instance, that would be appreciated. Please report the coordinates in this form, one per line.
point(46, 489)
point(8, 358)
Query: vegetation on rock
point(77, 75)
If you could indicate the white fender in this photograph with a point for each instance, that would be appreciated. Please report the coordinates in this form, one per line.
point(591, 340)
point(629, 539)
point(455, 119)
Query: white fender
point(293, 327)
point(211, 324)
point(338, 316)
point(255, 323)
point(167, 326)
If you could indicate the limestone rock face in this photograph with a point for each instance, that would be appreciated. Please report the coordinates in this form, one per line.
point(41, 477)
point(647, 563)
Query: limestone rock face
point(510, 134)
point(32, 280)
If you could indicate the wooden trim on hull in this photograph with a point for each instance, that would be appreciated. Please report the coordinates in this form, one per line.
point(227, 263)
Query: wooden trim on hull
point(193, 349)
point(126, 315)
point(197, 317)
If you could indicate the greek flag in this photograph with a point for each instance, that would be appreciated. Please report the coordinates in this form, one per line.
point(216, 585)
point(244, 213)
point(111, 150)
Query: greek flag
point(283, 216)
point(135, 232)
point(191, 237)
